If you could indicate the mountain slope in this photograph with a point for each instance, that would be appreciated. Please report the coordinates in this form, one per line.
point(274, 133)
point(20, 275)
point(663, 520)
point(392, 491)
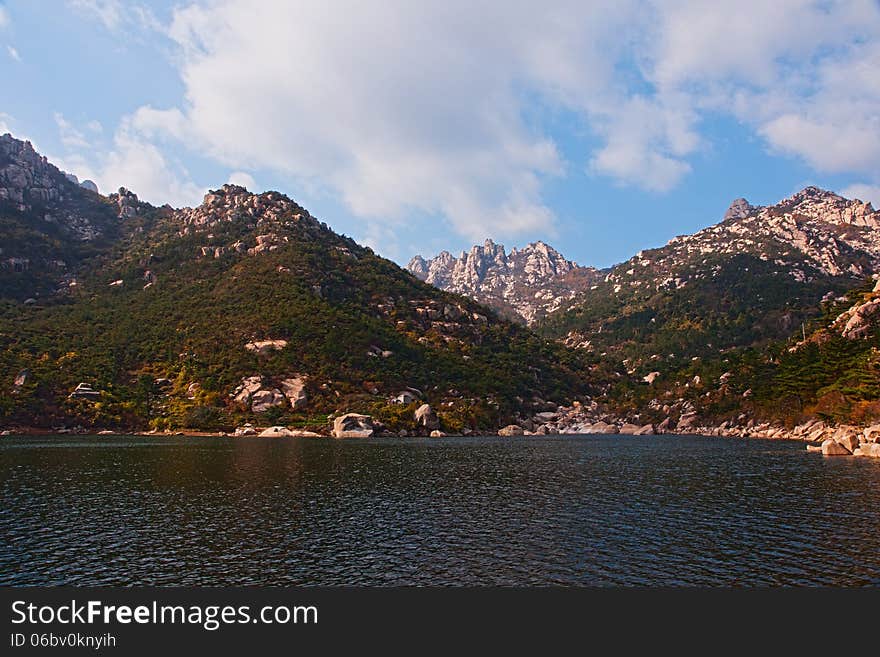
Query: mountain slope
point(248, 308)
point(50, 224)
point(527, 284)
point(749, 280)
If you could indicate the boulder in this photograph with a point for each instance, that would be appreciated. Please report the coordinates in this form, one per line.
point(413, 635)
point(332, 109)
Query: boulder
point(511, 430)
point(686, 421)
point(871, 450)
point(833, 448)
point(85, 391)
point(20, 379)
point(872, 433)
point(650, 378)
point(663, 427)
point(598, 428)
point(276, 432)
point(353, 425)
point(814, 448)
point(265, 347)
point(263, 400)
point(405, 397)
point(192, 390)
point(246, 430)
point(437, 434)
point(846, 437)
point(425, 417)
point(637, 430)
point(294, 388)
point(248, 386)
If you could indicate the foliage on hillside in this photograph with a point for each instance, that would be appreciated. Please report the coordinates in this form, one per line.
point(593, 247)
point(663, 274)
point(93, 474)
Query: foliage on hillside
point(826, 376)
point(729, 302)
point(338, 306)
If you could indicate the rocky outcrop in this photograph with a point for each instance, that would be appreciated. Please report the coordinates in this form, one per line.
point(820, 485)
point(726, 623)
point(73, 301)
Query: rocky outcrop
point(260, 395)
point(426, 418)
point(511, 430)
point(265, 347)
point(527, 283)
point(30, 184)
point(738, 209)
point(831, 447)
point(264, 399)
point(353, 425)
point(85, 391)
point(284, 432)
point(861, 320)
point(294, 388)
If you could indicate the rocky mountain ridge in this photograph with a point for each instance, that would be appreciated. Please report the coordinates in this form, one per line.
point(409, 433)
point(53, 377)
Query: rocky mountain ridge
point(527, 283)
point(50, 223)
point(753, 277)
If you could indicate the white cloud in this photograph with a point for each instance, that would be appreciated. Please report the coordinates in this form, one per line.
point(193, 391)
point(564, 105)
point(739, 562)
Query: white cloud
point(4, 17)
point(115, 15)
point(109, 12)
point(130, 160)
point(244, 179)
point(863, 192)
point(70, 135)
point(13, 53)
point(436, 109)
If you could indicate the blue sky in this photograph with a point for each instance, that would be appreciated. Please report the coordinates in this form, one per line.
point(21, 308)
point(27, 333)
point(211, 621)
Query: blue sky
point(601, 128)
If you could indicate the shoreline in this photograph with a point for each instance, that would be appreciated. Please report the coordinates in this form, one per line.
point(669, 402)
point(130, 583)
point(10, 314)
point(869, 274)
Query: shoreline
point(841, 440)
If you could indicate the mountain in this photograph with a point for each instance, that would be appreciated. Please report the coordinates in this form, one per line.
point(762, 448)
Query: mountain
point(753, 278)
point(50, 223)
point(527, 284)
point(245, 308)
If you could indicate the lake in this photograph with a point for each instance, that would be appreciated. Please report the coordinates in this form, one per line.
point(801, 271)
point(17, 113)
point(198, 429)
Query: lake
point(556, 510)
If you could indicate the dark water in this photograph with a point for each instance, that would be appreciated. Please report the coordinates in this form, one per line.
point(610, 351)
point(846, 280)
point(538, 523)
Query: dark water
point(597, 510)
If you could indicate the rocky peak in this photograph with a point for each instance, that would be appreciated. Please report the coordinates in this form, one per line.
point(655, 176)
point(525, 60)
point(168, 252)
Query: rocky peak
point(738, 209)
point(235, 203)
point(33, 186)
point(27, 179)
point(828, 207)
point(127, 203)
point(527, 283)
point(811, 234)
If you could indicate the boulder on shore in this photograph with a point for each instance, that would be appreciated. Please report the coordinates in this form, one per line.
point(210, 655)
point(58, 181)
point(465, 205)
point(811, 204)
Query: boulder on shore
point(637, 430)
point(353, 425)
point(276, 432)
point(847, 437)
point(598, 427)
point(833, 448)
point(437, 434)
point(511, 430)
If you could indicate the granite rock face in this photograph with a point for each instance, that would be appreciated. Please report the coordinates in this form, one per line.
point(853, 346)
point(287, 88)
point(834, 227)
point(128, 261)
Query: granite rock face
point(526, 284)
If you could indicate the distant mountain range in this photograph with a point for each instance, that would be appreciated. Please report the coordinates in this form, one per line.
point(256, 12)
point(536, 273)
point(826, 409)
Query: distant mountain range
point(526, 284)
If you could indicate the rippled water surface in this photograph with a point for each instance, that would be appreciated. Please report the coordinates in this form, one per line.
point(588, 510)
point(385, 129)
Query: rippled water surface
point(592, 510)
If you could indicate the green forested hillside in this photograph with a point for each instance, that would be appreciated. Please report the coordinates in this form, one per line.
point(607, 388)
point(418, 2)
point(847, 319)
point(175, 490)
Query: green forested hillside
point(357, 326)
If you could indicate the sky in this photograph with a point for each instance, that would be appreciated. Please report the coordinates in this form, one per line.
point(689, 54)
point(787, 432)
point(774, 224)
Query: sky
point(413, 126)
